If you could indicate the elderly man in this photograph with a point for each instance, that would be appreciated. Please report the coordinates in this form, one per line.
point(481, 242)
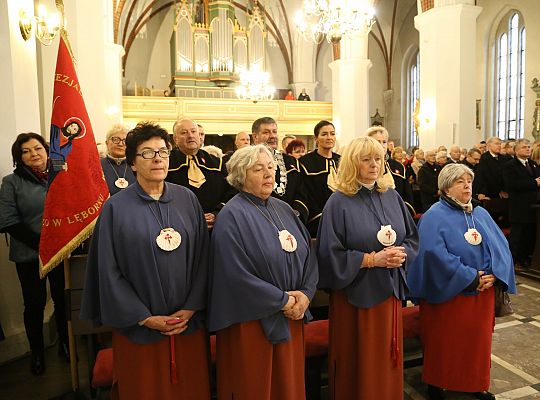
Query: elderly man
point(117, 173)
point(194, 168)
point(241, 140)
point(288, 184)
point(521, 178)
point(455, 155)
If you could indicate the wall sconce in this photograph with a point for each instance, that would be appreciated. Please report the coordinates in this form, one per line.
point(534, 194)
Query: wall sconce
point(45, 26)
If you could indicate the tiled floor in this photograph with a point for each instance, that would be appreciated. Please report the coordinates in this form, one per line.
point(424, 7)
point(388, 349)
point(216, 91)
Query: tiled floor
point(515, 372)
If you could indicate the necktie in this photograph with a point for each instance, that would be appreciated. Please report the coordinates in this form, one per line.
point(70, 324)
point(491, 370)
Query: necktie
point(529, 169)
point(331, 181)
point(195, 176)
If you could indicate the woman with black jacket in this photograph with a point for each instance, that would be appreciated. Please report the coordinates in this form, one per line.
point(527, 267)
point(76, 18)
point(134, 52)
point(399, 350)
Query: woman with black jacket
point(22, 198)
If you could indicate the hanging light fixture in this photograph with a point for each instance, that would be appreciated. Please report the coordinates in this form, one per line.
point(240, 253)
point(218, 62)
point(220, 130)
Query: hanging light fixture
point(254, 85)
point(333, 19)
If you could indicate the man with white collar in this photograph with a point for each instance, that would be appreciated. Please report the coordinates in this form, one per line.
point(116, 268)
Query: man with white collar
point(195, 169)
point(521, 178)
point(289, 185)
point(455, 155)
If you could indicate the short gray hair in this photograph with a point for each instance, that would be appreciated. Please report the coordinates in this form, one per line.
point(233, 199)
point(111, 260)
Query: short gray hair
point(115, 129)
point(242, 160)
point(519, 142)
point(451, 173)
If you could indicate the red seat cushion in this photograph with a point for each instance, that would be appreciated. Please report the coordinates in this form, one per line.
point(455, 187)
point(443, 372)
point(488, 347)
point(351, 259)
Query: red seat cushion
point(316, 338)
point(411, 322)
point(102, 376)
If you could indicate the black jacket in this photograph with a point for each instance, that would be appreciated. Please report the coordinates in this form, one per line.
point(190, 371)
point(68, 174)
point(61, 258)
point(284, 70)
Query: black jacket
point(488, 175)
point(522, 190)
point(427, 182)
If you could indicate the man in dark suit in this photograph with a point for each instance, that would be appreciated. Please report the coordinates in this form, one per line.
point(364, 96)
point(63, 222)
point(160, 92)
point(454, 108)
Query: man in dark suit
point(489, 171)
point(195, 169)
point(289, 184)
point(521, 178)
point(488, 183)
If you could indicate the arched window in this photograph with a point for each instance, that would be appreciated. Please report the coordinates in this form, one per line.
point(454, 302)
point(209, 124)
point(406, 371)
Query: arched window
point(510, 77)
point(413, 94)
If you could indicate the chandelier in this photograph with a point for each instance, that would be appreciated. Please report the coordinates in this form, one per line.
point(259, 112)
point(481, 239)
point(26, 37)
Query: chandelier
point(334, 18)
point(254, 85)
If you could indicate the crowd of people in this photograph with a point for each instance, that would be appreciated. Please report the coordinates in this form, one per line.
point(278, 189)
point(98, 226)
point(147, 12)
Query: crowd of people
point(191, 243)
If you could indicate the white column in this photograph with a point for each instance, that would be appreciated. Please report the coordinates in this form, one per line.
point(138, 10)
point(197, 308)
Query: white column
point(19, 112)
point(304, 53)
point(98, 63)
point(447, 79)
point(350, 89)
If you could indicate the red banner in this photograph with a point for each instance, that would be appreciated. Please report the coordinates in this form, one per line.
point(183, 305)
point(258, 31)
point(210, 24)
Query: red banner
point(77, 187)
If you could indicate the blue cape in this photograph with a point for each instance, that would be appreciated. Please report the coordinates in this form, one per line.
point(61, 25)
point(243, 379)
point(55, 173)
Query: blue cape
point(447, 263)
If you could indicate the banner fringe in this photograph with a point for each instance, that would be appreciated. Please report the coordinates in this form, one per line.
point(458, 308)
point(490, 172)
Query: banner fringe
point(66, 251)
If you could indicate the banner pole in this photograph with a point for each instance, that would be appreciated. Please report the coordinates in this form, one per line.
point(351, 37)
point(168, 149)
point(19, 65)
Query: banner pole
point(71, 337)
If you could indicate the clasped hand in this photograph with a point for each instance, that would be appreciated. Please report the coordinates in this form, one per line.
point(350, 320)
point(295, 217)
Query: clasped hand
point(159, 322)
point(296, 305)
point(485, 281)
point(390, 257)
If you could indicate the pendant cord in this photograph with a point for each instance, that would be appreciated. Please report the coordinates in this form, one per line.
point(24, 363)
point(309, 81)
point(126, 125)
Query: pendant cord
point(467, 221)
point(114, 170)
point(374, 211)
point(160, 219)
point(266, 216)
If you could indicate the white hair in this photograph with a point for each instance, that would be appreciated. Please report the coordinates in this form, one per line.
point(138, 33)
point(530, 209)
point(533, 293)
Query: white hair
point(451, 173)
point(213, 150)
point(242, 160)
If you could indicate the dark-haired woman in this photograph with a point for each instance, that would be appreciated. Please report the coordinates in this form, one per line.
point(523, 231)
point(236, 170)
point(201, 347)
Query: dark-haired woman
point(22, 198)
point(146, 278)
point(319, 170)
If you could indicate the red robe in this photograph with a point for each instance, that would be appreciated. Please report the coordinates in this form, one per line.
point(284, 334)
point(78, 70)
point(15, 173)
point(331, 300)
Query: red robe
point(249, 367)
point(361, 362)
point(456, 336)
point(143, 371)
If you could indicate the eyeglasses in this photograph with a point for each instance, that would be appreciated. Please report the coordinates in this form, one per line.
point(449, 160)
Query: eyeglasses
point(151, 154)
point(117, 140)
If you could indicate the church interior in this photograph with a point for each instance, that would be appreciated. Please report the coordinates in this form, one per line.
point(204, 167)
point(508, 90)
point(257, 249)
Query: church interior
point(432, 72)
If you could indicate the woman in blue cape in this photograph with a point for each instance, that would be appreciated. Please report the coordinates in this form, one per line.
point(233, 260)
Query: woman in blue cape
point(262, 278)
point(366, 238)
point(463, 253)
point(146, 277)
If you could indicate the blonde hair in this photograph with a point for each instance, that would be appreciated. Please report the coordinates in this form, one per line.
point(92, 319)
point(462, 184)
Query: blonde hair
point(348, 172)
